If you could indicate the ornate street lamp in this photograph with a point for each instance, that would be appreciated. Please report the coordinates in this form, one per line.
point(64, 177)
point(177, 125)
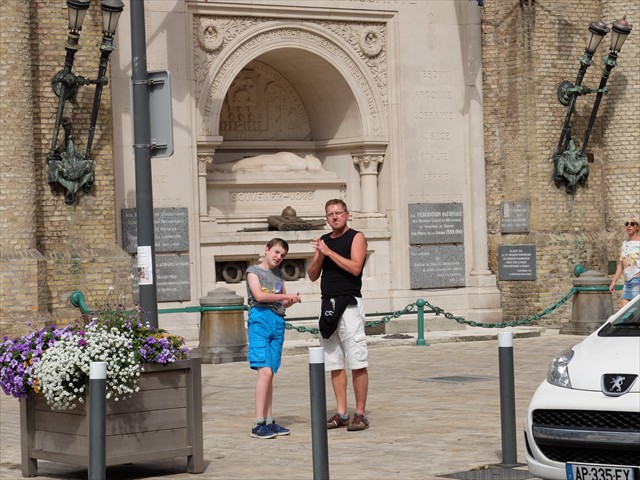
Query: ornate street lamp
point(571, 166)
point(66, 165)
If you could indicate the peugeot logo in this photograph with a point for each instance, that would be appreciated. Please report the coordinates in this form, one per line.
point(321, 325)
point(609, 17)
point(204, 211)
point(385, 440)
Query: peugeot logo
point(616, 384)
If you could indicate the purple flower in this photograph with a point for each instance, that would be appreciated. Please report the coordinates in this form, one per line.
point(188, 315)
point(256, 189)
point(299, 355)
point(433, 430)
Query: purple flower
point(19, 356)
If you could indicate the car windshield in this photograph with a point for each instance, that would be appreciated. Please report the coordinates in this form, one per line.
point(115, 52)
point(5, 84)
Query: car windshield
point(627, 324)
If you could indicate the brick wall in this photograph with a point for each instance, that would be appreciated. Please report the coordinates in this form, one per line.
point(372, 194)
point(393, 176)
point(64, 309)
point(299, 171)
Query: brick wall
point(528, 48)
point(49, 248)
point(23, 292)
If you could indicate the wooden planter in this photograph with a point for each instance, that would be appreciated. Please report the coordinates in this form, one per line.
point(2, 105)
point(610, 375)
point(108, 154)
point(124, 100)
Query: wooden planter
point(163, 420)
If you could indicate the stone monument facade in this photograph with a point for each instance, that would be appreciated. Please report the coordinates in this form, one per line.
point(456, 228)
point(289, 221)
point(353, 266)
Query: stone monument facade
point(292, 105)
point(441, 104)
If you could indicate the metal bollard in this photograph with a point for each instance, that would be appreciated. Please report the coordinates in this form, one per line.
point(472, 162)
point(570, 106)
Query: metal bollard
point(420, 342)
point(318, 412)
point(507, 400)
point(97, 420)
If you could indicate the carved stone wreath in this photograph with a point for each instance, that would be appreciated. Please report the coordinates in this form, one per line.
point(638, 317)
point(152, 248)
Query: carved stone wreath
point(370, 41)
point(210, 35)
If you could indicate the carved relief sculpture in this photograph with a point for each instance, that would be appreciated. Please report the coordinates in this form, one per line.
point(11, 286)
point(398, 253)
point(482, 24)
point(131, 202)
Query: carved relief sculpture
point(275, 162)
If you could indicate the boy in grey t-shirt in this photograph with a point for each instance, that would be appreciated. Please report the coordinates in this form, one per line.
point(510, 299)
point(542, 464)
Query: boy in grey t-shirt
point(268, 299)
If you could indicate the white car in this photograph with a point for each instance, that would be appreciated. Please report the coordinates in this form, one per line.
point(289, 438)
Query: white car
point(583, 421)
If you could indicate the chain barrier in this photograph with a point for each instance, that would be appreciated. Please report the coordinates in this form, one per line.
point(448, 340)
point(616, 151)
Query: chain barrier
point(515, 323)
point(77, 299)
point(386, 319)
point(412, 308)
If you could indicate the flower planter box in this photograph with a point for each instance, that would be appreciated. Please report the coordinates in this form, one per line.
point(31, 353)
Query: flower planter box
point(163, 420)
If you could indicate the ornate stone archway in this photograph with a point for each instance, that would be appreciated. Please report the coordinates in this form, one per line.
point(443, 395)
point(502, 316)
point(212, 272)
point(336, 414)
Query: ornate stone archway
point(353, 55)
point(361, 63)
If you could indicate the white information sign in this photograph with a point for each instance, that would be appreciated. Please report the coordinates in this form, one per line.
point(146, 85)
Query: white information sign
point(145, 266)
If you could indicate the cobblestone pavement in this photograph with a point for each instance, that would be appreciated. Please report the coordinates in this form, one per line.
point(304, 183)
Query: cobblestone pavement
point(434, 410)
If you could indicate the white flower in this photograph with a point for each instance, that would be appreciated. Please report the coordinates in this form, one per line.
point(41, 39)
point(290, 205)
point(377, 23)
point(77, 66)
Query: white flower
point(64, 367)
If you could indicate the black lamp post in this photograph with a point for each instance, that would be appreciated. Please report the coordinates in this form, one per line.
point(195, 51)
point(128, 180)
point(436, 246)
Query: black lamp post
point(66, 165)
point(571, 166)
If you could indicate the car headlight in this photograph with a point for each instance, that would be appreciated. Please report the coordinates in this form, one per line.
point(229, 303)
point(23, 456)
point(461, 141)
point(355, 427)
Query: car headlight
point(559, 370)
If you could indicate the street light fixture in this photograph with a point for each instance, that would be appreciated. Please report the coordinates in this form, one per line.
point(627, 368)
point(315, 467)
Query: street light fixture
point(571, 166)
point(66, 165)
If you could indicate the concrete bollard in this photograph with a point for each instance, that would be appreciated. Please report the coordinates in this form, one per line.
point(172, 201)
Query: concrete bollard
point(223, 335)
point(318, 394)
point(591, 308)
point(97, 420)
point(507, 400)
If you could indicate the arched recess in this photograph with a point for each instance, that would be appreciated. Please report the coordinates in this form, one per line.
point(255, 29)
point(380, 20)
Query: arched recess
point(331, 79)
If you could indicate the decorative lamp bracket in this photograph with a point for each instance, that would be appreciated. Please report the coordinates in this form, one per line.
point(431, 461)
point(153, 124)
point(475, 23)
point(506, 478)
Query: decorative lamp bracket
point(66, 165)
point(566, 90)
point(570, 165)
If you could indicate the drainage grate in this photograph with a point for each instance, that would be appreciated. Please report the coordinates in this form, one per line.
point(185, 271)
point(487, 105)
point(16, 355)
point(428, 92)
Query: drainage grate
point(459, 379)
point(493, 473)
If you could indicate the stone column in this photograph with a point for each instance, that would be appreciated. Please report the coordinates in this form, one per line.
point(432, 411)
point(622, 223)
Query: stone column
point(204, 160)
point(484, 296)
point(368, 165)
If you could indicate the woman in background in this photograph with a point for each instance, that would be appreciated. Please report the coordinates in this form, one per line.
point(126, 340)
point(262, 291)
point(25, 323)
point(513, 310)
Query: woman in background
point(629, 263)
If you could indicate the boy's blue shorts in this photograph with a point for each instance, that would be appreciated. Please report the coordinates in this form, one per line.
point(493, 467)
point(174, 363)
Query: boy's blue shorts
point(266, 336)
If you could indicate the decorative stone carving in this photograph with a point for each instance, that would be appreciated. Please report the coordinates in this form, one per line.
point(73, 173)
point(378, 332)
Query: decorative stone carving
point(275, 162)
point(370, 41)
point(262, 105)
point(364, 73)
point(368, 165)
point(204, 162)
point(210, 34)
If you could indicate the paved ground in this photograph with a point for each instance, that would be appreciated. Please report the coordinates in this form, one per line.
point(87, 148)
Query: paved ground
point(434, 411)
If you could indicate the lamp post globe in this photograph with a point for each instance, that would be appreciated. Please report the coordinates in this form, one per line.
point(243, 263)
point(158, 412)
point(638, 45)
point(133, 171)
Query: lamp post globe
point(621, 30)
point(111, 10)
point(597, 31)
point(76, 10)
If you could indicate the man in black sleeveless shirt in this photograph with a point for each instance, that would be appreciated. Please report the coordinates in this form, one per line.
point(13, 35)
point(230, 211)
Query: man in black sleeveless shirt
point(340, 256)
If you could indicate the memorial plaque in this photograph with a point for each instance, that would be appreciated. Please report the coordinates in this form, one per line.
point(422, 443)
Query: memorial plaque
point(514, 217)
point(431, 223)
point(516, 262)
point(172, 277)
point(170, 225)
point(437, 266)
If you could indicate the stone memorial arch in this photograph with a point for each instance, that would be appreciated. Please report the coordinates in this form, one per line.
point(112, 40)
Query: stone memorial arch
point(266, 85)
point(279, 107)
point(271, 91)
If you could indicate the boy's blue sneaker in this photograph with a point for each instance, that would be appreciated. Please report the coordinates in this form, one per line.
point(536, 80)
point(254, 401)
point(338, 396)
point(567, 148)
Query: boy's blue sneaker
point(278, 430)
point(262, 430)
